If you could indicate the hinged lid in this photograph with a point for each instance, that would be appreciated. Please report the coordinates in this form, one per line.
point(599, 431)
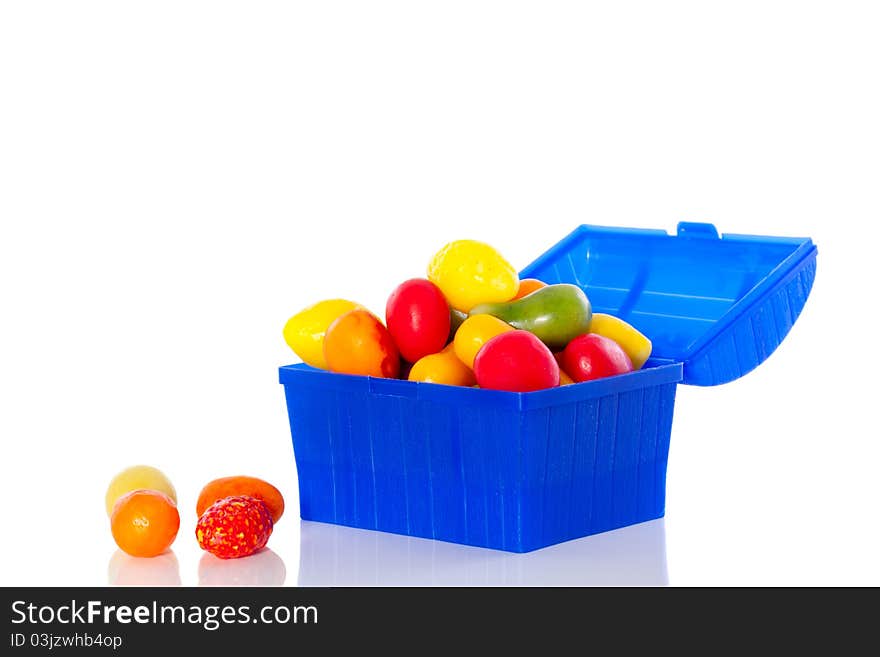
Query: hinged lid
point(720, 305)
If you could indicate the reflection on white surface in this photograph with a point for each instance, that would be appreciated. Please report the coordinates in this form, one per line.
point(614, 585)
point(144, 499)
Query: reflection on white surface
point(126, 570)
point(332, 555)
point(265, 568)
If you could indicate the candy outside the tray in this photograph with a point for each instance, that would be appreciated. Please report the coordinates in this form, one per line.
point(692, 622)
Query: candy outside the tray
point(241, 485)
point(234, 527)
point(144, 523)
point(137, 477)
point(556, 313)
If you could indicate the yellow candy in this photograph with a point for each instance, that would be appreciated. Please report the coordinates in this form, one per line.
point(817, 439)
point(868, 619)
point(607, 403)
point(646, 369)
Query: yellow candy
point(473, 333)
point(470, 272)
point(636, 345)
point(135, 478)
point(304, 332)
point(443, 367)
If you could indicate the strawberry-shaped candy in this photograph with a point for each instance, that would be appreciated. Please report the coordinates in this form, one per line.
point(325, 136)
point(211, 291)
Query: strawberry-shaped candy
point(235, 526)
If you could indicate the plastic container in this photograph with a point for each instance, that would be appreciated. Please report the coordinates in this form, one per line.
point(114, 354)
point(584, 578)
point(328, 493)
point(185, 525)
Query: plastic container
point(520, 471)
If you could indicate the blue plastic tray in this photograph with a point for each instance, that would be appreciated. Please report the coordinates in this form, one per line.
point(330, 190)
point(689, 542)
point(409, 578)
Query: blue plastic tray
point(520, 471)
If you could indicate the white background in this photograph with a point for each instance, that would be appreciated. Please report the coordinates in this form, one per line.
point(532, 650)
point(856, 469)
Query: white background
point(177, 178)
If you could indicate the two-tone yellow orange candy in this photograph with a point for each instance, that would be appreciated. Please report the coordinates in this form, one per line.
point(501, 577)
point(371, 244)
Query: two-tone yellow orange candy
point(305, 331)
point(358, 343)
point(142, 505)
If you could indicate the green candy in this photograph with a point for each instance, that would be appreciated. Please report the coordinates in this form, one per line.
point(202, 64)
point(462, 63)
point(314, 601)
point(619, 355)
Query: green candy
point(556, 314)
point(456, 317)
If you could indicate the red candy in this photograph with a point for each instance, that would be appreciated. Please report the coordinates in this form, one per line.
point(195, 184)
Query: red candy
point(235, 526)
point(516, 361)
point(417, 317)
point(593, 356)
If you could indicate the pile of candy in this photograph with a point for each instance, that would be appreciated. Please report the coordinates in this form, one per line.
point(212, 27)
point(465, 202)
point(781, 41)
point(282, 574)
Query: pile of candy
point(236, 514)
point(472, 322)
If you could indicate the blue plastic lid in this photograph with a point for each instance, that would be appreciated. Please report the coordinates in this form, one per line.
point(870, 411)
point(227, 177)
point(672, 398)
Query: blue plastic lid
point(719, 305)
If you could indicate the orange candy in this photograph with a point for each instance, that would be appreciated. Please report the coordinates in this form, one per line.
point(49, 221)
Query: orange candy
point(144, 523)
point(527, 286)
point(242, 485)
point(443, 367)
point(358, 343)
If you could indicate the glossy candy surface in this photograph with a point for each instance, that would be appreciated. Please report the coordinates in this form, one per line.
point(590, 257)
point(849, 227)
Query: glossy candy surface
point(241, 485)
point(144, 523)
point(304, 332)
point(470, 272)
point(527, 286)
point(556, 313)
point(636, 345)
point(473, 333)
point(137, 477)
point(592, 356)
point(234, 527)
point(516, 361)
point(358, 343)
point(418, 318)
point(443, 367)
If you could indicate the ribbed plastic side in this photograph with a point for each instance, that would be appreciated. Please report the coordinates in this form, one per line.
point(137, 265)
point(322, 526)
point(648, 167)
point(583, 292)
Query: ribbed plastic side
point(482, 475)
point(719, 305)
point(751, 339)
